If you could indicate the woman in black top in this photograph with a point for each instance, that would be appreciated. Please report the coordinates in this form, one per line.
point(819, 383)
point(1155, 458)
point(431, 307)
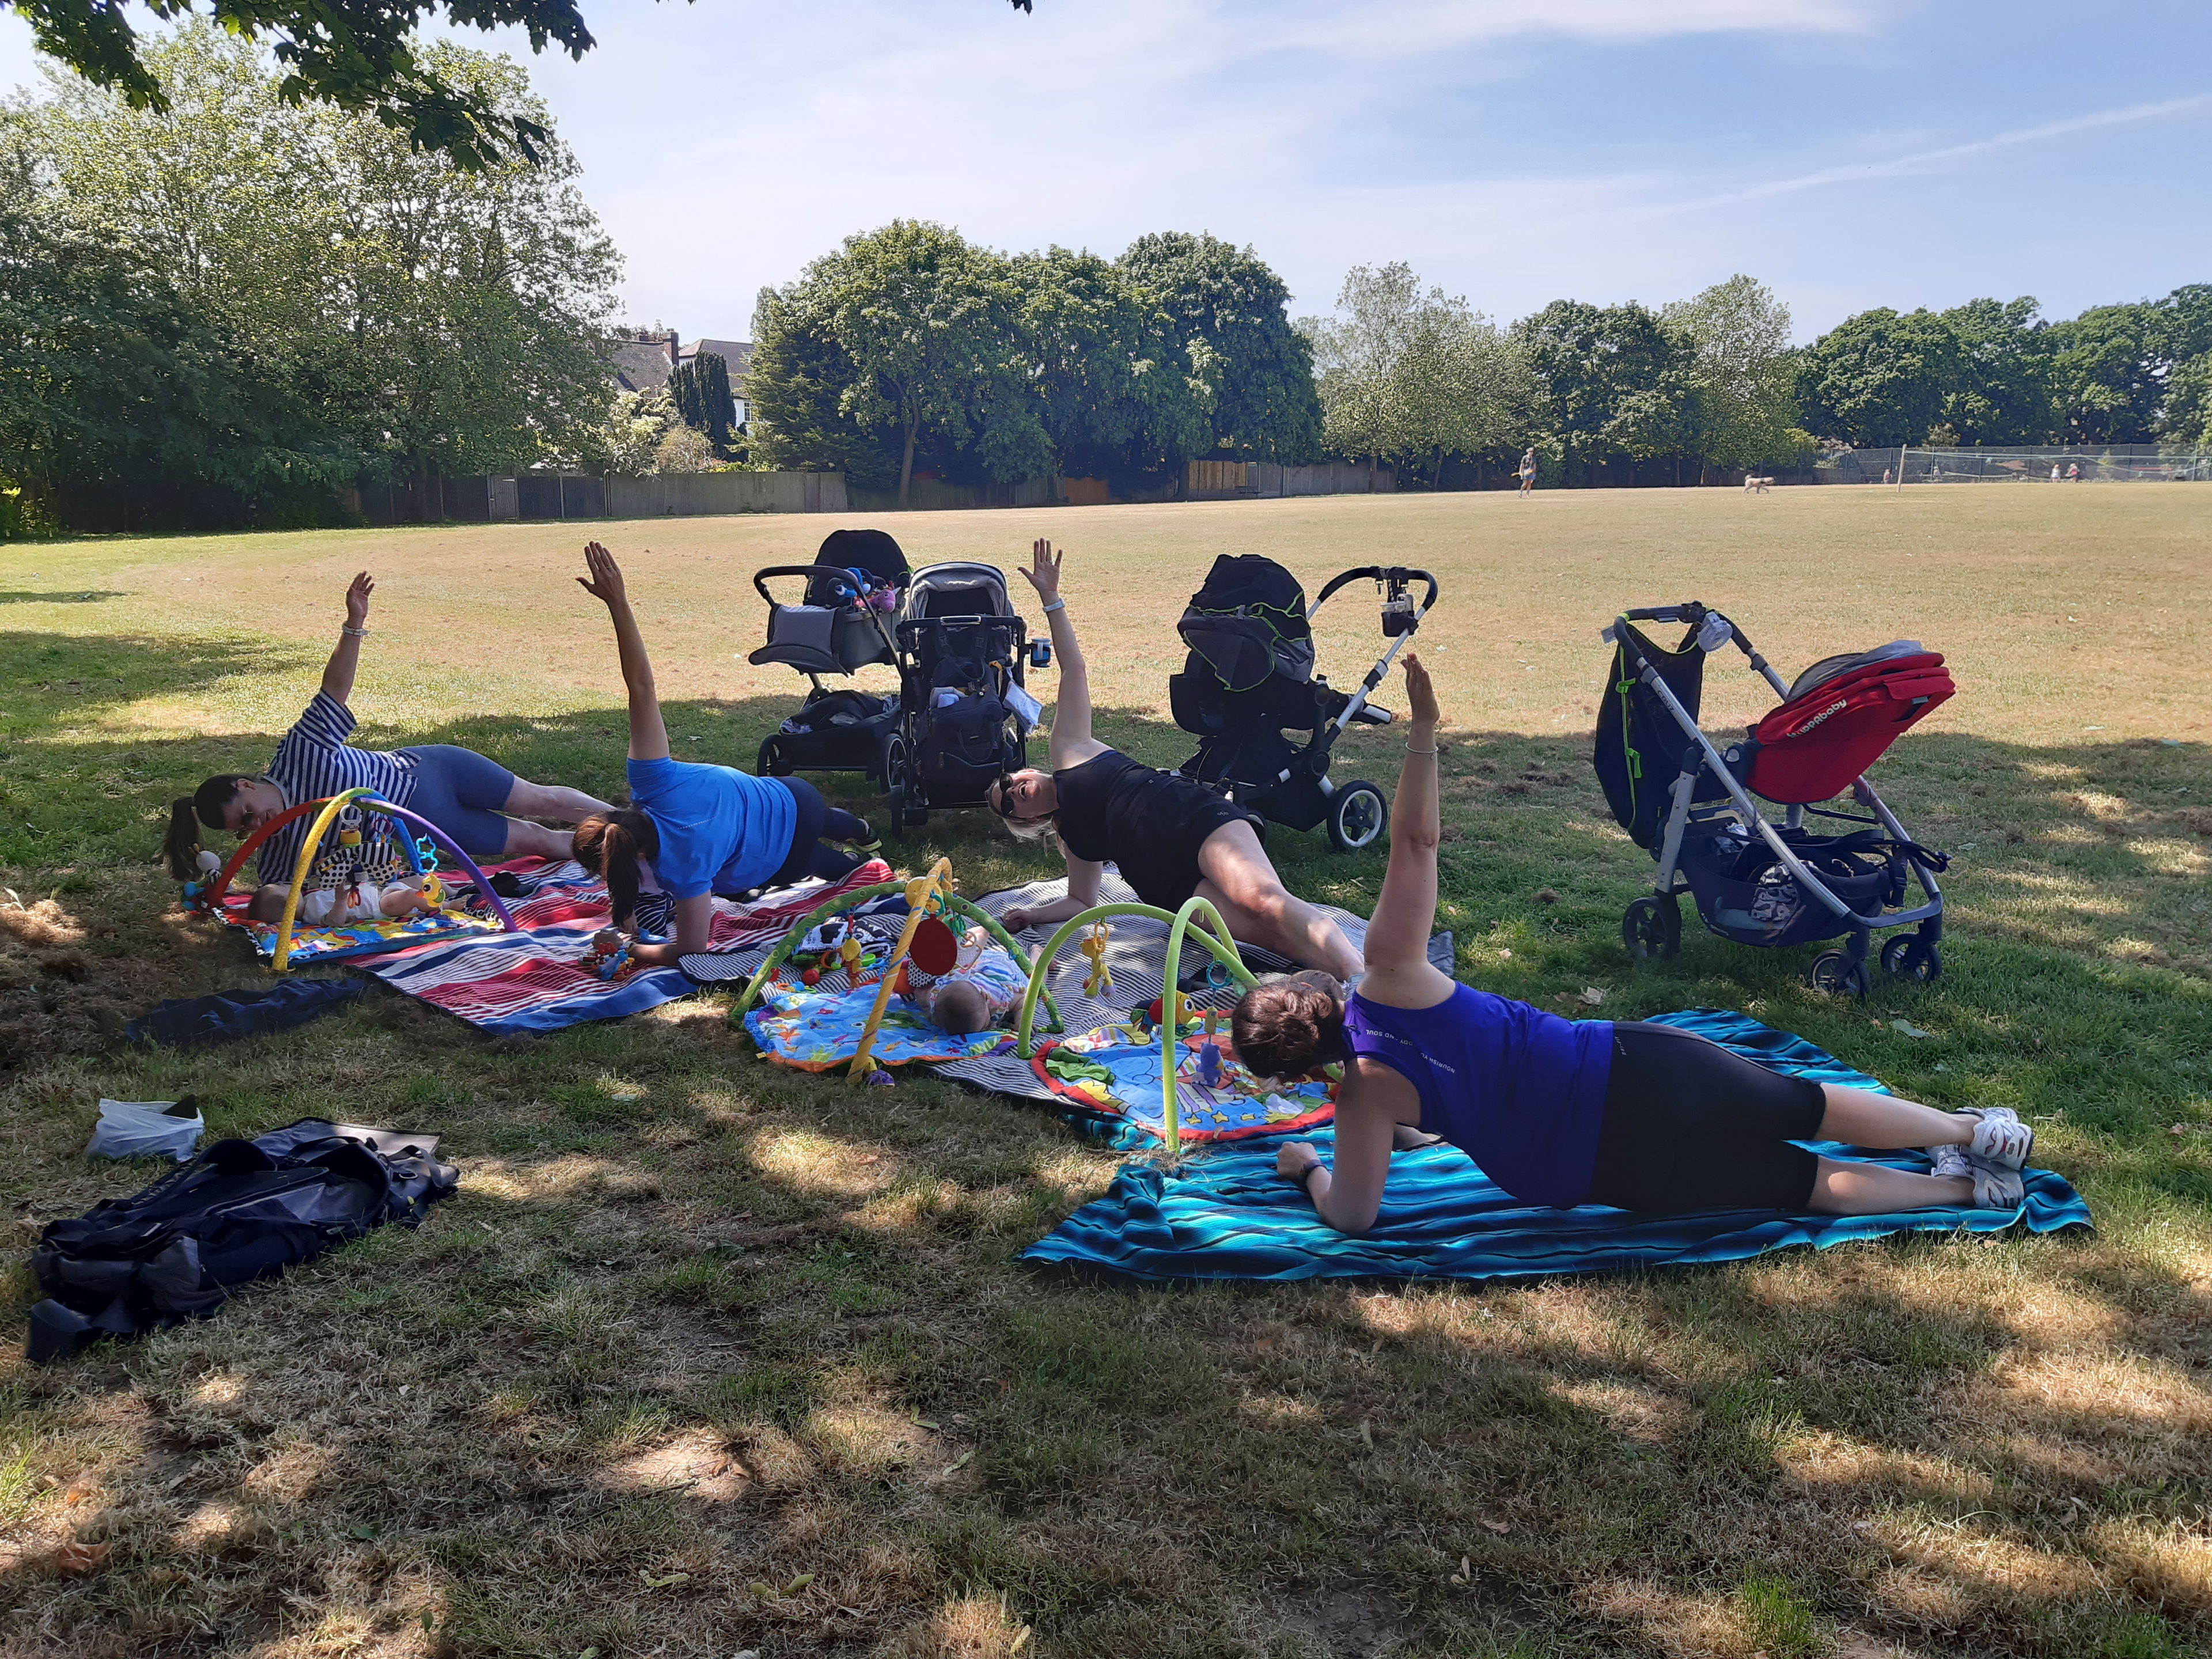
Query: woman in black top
point(1169, 837)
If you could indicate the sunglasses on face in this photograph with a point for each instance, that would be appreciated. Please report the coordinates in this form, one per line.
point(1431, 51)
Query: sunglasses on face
point(1002, 801)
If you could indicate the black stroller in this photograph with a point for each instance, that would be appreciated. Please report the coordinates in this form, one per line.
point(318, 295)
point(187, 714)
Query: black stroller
point(1250, 679)
point(961, 715)
point(963, 659)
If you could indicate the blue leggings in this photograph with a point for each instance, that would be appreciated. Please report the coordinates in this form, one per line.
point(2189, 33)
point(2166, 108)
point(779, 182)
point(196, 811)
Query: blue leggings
point(461, 791)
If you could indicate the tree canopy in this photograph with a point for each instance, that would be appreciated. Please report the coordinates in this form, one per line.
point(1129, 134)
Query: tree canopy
point(910, 345)
point(421, 317)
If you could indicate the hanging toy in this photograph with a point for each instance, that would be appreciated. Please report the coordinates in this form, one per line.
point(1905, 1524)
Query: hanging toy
point(1099, 982)
point(433, 890)
point(1209, 1064)
point(848, 953)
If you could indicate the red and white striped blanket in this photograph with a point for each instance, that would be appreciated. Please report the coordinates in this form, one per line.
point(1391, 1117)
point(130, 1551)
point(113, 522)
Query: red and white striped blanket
point(535, 980)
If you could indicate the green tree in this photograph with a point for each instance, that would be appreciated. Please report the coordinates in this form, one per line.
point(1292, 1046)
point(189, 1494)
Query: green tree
point(701, 390)
point(1880, 379)
point(2108, 375)
point(795, 393)
point(442, 319)
point(113, 387)
point(2003, 392)
point(1230, 313)
point(918, 331)
point(1119, 392)
point(1743, 369)
point(1413, 377)
point(2187, 417)
point(1614, 382)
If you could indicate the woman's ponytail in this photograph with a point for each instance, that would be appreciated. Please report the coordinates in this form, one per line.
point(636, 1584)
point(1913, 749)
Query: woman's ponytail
point(611, 845)
point(180, 847)
point(205, 806)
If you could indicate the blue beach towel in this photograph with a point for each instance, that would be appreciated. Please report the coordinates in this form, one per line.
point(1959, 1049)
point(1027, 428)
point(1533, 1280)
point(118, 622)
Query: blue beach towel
point(1229, 1215)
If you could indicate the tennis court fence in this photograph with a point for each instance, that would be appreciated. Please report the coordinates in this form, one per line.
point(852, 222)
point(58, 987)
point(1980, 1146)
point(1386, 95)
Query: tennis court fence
point(2076, 464)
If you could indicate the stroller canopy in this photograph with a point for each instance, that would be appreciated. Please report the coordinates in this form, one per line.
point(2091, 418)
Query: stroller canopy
point(872, 551)
point(1248, 621)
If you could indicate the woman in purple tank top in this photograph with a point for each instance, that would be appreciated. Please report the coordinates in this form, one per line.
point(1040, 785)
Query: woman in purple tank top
point(1564, 1112)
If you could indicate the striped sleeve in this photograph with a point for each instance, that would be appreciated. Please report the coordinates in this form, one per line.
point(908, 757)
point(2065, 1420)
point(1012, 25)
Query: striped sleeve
point(314, 761)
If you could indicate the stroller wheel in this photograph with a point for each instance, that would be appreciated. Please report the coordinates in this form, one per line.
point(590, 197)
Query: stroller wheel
point(1652, 927)
point(771, 763)
point(1834, 972)
point(1358, 815)
point(1911, 956)
point(892, 768)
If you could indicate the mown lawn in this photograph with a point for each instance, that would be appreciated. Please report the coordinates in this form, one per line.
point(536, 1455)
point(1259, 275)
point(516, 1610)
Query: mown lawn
point(706, 1358)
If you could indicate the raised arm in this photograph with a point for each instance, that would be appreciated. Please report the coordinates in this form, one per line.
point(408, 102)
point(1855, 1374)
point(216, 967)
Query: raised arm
point(339, 672)
point(1072, 742)
point(1398, 972)
point(648, 734)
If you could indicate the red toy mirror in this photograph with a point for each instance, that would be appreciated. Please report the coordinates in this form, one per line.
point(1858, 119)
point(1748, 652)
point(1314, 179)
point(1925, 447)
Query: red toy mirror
point(933, 949)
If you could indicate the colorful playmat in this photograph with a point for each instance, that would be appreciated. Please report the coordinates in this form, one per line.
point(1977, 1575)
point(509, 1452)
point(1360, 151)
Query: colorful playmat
point(537, 980)
point(1114, 1073)
point(818, 1029)
point(457, 919)
point(1226, 1213)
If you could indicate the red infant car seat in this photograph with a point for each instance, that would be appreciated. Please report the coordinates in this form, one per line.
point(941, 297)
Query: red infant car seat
point(1841, 714)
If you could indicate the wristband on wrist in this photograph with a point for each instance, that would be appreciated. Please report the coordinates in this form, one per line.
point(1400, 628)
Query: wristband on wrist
point(1306, 1176)
point(1057, 604)
point(355, 633)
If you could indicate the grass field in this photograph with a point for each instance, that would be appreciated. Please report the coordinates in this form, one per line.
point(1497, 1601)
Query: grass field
point(705, 1357)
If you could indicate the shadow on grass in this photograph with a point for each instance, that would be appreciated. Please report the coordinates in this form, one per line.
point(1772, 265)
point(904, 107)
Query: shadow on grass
point(90, 597)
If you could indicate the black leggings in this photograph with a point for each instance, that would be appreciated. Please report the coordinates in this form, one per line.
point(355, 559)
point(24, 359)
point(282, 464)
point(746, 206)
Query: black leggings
point(816, 818)
point(1691, 1126)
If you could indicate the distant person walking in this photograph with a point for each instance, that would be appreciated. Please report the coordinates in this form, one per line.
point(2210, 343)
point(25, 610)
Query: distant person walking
point(2054, 472)
point(1529, 469)
point(2074, 472)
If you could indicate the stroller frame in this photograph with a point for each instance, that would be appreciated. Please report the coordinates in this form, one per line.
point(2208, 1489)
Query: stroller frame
point(1357, 812)
point(1653, 925)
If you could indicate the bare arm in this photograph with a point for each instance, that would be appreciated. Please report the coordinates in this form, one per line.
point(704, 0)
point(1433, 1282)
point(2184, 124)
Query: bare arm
point(1398, 972)
point(339, 672)
point(1348, 1192)
point(694, 920)
point(1072, 742)
point(1082, 879)
point(648, 735)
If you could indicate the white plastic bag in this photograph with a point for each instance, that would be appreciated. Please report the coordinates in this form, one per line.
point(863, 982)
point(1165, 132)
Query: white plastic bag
point(144, 1128)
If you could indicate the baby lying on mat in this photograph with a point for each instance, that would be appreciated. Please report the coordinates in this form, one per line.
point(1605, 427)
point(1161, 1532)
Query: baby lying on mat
point(983, 984)
point(357, 901)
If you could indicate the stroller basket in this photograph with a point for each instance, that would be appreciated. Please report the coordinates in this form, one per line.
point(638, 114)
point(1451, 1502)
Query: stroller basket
point(1694, 807)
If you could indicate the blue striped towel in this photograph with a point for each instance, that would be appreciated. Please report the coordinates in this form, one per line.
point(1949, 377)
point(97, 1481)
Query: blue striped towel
point(1227, 1215)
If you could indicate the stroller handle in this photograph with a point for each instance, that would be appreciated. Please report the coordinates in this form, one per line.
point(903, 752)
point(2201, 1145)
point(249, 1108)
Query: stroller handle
point(813, 572)
point(1393, 576)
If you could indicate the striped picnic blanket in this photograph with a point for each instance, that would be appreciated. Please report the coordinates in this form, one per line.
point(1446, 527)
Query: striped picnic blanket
point(535, 981)
point(1227, 1214)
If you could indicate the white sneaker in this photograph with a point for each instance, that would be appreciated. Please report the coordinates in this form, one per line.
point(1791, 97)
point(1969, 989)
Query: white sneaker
point(1950, 1161)
point(2001, 1140)
point(1997, 1189)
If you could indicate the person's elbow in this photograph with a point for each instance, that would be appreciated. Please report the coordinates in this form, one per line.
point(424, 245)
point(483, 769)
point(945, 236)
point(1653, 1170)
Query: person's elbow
point(1417, 838)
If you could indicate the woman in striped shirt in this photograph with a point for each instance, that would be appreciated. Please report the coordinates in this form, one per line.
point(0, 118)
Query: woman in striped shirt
point(458, 790)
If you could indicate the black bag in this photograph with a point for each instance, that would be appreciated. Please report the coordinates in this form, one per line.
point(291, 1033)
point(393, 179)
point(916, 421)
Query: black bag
point(967, 741)
point(242, 1210)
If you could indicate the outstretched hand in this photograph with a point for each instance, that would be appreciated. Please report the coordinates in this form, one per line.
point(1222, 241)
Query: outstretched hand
point(1043, 571)
point(1420, 694)
point(356, 599)
point(604, 583)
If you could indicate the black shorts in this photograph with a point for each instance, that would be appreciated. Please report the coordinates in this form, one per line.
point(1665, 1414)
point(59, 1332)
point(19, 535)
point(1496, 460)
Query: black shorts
point(1167, 877)
point(1691, 1126)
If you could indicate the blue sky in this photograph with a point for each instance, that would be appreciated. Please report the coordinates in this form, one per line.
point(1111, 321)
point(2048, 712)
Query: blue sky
point(1849, 153)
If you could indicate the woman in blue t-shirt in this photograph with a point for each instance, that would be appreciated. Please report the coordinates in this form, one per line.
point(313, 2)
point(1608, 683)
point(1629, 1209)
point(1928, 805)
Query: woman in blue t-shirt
point(692, 831)
point(1564, 1112)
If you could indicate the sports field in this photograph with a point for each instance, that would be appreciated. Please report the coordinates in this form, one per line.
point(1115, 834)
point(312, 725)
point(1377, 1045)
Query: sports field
point(705, 1358)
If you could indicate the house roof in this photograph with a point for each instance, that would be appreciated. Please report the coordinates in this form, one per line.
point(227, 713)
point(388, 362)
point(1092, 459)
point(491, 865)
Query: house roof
point(642, 365)
point(737, 354)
